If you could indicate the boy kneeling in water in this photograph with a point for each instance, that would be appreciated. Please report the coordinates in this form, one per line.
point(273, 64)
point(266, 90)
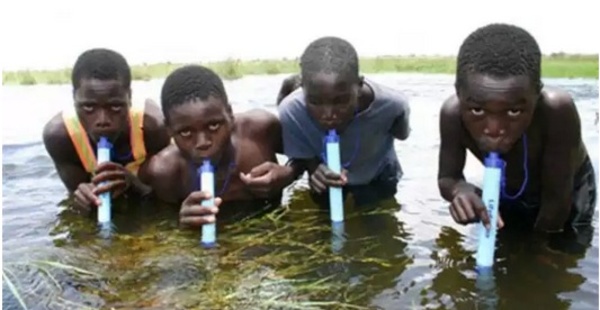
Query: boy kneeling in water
point(241, 147)
point(368, 117)
point(102, 106)
point(501, 105)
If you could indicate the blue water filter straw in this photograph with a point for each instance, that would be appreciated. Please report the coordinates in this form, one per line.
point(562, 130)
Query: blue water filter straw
point(491, 199)
point(336, 203)
point(207, 184)
point(103, 151)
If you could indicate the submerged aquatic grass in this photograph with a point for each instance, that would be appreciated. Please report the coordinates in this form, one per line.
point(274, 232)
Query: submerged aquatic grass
point(281, 260)
point(555, 65)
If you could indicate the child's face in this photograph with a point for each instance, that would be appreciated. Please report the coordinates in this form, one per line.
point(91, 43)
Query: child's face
point(331, 99)
point(495, 111)
point(103, 107)
point(201, 128)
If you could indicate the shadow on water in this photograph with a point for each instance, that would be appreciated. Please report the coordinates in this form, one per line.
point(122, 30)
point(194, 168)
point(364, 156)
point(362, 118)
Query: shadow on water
point(404, 253)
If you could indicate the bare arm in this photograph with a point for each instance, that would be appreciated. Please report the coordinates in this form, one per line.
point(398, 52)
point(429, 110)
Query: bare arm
point(162, 175)
point(561, 158)
point(401, 125)
point(63, 154)
point(452, 155)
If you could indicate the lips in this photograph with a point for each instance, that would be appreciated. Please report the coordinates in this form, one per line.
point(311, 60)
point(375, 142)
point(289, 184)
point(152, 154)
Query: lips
point(110, 135)
point(330, 124)
point(497, 145)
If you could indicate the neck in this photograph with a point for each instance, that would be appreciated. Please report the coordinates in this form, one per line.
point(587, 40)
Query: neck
point(228, 156)
point(365, 97)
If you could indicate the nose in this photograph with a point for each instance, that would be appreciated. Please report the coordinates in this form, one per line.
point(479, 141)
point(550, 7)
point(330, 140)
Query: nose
point(329, 112)
point(203, 142)
point(103, 120)
point(494, 129)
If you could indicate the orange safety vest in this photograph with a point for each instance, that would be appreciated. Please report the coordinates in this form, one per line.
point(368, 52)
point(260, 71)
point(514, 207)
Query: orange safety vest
point(84, 149)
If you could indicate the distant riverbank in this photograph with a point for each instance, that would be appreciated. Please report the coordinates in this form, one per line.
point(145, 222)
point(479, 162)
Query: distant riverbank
point(556, 65)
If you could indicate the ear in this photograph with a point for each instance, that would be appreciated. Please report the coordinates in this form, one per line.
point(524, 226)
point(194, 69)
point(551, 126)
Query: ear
point(361, 80)
point(129, 92)
point(457, 89)
point(169, 130)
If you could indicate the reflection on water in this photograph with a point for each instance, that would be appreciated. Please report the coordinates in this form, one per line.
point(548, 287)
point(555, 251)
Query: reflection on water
point(404, 253)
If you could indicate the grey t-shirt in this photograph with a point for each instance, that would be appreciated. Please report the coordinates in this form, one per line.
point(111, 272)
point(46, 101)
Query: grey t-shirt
point(367, 144)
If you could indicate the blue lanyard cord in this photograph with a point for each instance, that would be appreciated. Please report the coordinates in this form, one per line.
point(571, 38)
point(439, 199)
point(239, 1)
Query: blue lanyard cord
point(356, 146)
point(230, 168)
point(525, 180)
point(125, 158)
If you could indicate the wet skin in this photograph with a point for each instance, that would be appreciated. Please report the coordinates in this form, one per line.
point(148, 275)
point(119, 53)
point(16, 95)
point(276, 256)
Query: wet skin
point(207, 129)
point(492, 114)
point(102, 107)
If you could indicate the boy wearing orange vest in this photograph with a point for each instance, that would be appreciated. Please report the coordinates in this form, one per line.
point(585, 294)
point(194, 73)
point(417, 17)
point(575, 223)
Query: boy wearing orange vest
point(102, 106)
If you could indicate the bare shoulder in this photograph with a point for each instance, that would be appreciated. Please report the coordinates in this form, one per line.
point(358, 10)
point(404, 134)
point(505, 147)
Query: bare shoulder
point(55, 129)
point(450, 124)
point(557, 103)
point(156, 136)
point(56, 139)
point(257, 121)
point(450, 107)
point(293, 80)
point(153, 116)
point(163, 174)
point(166, 164)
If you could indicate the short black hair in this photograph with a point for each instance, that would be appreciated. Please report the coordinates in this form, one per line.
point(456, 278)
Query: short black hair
point(500, 50)
point(102, 64)
point(190, 82)
point(329, 55)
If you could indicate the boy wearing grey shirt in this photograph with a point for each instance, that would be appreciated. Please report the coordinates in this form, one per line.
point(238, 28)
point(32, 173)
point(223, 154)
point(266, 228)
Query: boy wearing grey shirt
point(367, 116)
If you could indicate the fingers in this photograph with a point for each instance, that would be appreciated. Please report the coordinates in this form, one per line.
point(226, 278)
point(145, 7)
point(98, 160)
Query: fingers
point(458, 214)
point(84, 196)
point(464, 209)
point(114, 186)
point(197, 220)
point(197, 210)
point(193, 214)
point(196, 198)
point(344, 176)
point(108, 176)
point(454, 215)
point(332, 178)
point(500, 222)
point(481, 211)
point(323, 178)
point(261, 169)
point(467, 209)
point(81, 202)
point(317, 185)
point(108, 166)
point(258, 181)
